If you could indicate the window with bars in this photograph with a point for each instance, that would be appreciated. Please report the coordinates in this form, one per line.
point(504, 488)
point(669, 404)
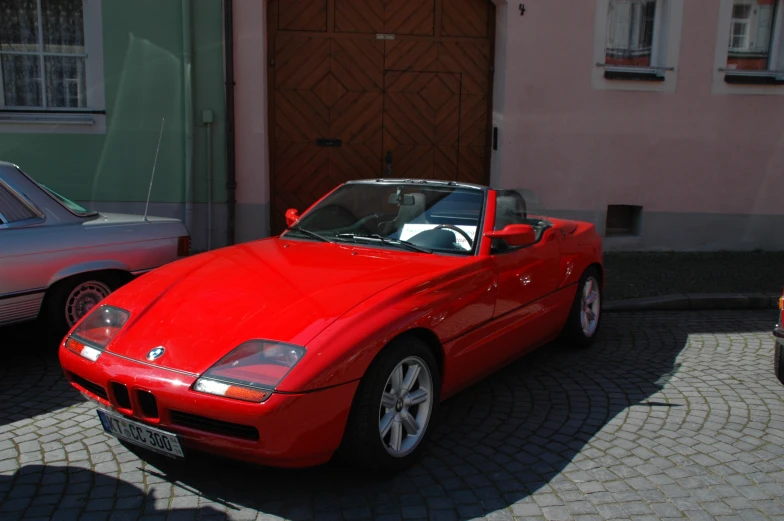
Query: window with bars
point(755, 39)
point(630, 32)
point(637, 44)
point(43, 55)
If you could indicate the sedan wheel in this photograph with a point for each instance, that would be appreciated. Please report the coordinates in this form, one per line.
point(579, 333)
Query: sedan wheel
point(405, 407)
point(70, 299)
point(83, 298)
point(393, 408)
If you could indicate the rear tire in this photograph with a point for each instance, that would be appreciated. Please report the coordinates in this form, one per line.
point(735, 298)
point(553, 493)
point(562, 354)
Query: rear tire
point(584, 319)
point(68, 300)
point(391, 418)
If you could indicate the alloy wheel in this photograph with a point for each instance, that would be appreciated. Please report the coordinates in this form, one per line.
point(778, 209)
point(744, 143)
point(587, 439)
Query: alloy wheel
point(590, 306)
point(406, 404)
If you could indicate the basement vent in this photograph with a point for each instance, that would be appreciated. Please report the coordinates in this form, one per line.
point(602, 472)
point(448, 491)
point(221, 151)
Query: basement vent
point(623, 220)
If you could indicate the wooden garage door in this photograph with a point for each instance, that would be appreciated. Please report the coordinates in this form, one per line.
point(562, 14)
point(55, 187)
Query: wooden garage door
point(376, 88)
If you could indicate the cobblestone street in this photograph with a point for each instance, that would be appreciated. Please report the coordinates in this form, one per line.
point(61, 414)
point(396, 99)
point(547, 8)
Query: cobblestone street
point(668, 416)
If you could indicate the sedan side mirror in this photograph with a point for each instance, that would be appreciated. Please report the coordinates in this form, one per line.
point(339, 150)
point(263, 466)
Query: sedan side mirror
point(515, 234)
point(291, 216)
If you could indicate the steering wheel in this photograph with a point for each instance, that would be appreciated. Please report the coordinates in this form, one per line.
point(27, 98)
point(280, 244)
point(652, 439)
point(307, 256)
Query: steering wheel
point(458, 230)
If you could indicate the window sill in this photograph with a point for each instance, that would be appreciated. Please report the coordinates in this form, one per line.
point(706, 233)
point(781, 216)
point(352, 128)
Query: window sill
point(632, 75)
point(753, 77)
point(634, 78)
point(52, 122)
point(614, 72)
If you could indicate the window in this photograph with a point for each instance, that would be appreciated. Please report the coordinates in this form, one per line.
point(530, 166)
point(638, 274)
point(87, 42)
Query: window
point(622, 220)
point(754, 42)
point(50, 61)
point(637, 44)
point(749, 55)
point(13, 210)
point(630, 32)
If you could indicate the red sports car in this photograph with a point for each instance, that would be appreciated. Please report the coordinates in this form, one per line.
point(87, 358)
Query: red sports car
point(340, 336)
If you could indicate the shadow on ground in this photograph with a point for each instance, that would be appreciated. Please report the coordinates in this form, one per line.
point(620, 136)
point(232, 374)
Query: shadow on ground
point(496, 443)
point(31, 380)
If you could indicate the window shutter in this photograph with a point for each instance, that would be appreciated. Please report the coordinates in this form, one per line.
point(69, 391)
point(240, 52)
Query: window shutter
point(764, 23)
point(622, 14)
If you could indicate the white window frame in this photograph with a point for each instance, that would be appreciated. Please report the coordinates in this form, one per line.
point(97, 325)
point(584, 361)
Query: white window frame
point(665, 52)
point(84, 120)
point(776, 58)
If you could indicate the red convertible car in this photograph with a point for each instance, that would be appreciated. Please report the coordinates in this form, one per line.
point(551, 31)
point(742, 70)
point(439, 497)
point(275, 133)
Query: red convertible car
point(340, 337)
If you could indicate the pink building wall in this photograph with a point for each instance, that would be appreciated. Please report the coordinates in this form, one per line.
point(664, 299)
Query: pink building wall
point(704, 160)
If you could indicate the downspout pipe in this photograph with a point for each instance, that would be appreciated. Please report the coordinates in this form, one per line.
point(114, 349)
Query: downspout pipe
point(231, 177)
point(187, 81)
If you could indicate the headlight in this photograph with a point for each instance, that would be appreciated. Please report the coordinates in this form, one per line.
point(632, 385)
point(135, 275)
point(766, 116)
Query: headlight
point(250, 372)
point(96, 331)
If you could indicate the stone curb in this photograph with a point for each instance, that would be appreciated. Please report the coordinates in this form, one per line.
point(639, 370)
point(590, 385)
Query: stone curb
point(696, 301)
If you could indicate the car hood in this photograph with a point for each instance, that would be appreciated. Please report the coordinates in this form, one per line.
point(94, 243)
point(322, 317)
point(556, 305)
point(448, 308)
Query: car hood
point(200, 308)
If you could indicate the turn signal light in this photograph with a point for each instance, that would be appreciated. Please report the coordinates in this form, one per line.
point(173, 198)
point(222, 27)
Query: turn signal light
point(248, 394)
point(781, 311)
point(184, 246)
point(82, 349)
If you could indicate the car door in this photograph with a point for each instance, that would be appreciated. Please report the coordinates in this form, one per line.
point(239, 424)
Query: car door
point(526, 274)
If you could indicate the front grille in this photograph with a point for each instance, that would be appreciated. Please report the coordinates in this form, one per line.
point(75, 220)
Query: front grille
point(201, 423)
point(90, 386)
point(148, 403)
point(121, 395)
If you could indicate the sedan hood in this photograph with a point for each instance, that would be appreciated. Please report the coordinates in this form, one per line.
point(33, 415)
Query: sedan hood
point(201, 308)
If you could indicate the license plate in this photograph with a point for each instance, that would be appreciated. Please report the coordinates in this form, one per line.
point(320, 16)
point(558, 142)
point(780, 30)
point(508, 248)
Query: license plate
point(141, 434)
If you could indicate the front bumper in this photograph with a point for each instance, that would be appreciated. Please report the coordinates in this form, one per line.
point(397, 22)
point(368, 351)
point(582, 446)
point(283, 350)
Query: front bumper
point(288, 430)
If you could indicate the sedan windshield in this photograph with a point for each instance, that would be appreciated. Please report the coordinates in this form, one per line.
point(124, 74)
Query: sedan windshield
point(425, 218)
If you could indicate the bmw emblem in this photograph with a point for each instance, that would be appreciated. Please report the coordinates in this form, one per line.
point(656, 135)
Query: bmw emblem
point(156, 353)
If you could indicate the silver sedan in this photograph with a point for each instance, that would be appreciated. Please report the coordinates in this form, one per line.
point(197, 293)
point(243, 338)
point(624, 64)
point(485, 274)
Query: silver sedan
point(58, 259)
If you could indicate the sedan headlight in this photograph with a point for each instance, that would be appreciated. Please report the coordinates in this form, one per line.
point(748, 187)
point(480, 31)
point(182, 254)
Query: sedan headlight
point(96, 331)
point(251, 371)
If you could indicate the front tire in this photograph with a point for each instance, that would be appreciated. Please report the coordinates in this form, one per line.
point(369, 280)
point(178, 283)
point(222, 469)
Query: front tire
point(391, 417)
point(778, 362)
point(584, 320)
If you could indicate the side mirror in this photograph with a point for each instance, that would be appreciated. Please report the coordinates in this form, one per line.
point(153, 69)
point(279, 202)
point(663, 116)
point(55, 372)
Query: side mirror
point(291, 216)
point(515, 234)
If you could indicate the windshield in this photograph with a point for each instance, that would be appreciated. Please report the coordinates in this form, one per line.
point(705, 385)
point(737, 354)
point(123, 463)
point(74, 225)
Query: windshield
point(77, 209)
point(435, 218)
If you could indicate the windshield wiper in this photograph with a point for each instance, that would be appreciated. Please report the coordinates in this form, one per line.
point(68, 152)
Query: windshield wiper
point(309, 233)
point(386, 240)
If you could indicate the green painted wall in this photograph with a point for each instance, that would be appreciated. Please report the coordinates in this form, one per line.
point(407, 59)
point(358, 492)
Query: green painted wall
point(143, 57)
